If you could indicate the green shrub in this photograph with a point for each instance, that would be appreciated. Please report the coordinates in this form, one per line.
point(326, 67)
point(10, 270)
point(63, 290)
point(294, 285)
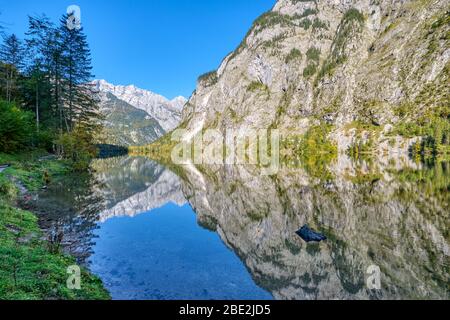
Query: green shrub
point(361, 150)
point(77, 147)
point(351, 23)
point(354, 14)
point(270, 19)
point(310, 70)
point(15, 127)
point(8, 190)
point(313, 151)
point(295, 54)
point(209, 78)
point(313, 54)
point(317, 151)
point(257, 86)
point(306, 23)
point(308, 12)
point(44, 139)
point(318, 24)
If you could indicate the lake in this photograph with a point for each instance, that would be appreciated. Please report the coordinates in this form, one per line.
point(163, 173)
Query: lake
point(226, 232)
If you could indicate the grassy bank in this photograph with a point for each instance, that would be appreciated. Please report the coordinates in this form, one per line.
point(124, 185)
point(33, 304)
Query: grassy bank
point(29, 267)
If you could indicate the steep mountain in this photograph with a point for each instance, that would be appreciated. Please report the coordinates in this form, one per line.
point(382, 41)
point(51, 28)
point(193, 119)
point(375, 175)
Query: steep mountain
point(167, 113)
point(353, 66)
point(126, 125)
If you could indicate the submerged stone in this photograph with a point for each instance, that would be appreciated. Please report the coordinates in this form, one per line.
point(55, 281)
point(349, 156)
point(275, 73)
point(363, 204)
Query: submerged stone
point(309, 235)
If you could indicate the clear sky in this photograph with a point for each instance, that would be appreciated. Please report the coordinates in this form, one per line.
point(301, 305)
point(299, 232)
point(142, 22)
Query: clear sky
point(159, 45)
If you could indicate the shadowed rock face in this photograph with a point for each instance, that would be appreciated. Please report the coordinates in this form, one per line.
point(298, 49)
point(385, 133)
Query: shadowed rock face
point(387, 221)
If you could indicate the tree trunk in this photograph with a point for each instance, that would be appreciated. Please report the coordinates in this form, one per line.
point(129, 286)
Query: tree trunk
point(37, 106)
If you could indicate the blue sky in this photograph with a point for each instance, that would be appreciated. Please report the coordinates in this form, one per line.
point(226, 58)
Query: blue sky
point(159, 45)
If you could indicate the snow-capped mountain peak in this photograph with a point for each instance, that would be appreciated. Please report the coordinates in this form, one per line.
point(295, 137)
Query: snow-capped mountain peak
point(166, 112)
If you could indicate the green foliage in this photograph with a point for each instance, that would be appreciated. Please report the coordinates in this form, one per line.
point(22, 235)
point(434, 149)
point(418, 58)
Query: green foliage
point(306, 23)
point(316, 141)
point(433, 126)
point(15, 127)
point(354, 14)
point(351, 23)
point(392, 26)
point(54, 93)
point(308, 12)
point(270, 19)
point(436, 33)
point(313, 58)
point(310, 70)
point(434, 181)
point(257, 216)
point(294, 54)
point(274, 42)
point(44, 139)
point(318, 24)
point(361, 150)
point(8, 190)
point(77, 147)
point(209, 78)
point(32, 169)
point(51, 88)
point(313, 54)
point(28, 270)
point(314, 151)
point(12, 56)
point(257, 86)
point(160, 150)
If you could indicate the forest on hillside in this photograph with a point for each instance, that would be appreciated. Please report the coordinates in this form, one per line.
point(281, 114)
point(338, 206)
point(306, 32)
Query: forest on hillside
point(46, 100)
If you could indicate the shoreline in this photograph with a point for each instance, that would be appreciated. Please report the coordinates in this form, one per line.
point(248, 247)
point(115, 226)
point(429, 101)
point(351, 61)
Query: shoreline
point(31, 268)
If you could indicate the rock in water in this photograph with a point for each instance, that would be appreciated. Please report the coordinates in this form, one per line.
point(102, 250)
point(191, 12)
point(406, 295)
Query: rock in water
point(309, 235)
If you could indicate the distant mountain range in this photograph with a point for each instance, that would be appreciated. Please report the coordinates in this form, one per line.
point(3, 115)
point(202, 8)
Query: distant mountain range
point(134, 116)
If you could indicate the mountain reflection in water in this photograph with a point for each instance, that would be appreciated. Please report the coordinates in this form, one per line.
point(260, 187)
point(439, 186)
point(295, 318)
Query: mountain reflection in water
point(152, 234)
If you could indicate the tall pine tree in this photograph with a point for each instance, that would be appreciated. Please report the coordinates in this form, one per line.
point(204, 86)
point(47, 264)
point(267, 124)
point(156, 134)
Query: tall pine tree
point(55, 82)
point(77, 72)
point(12, 54)
point(44, 48)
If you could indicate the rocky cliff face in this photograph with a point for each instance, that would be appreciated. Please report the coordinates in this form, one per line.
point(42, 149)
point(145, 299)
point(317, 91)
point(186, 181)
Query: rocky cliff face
point(335, 61)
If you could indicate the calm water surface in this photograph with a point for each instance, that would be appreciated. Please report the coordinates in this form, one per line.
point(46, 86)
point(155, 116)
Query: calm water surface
point(229, 233)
